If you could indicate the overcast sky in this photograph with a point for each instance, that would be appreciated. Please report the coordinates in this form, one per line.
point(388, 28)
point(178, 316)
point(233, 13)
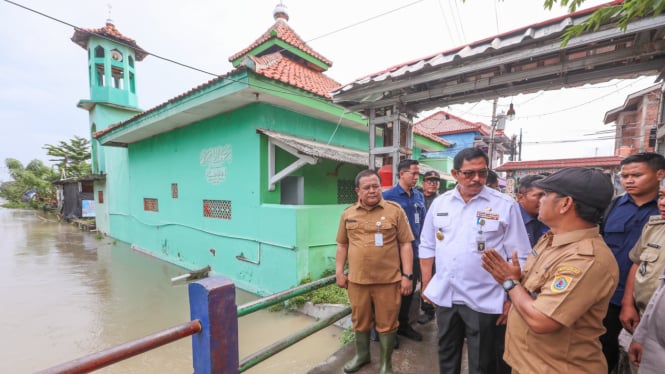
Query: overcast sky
point(43, 74)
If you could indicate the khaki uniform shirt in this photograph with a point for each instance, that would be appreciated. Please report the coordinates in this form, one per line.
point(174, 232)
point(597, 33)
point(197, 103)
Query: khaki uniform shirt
point(370, 263)
point(648, 255)
point(571, 277)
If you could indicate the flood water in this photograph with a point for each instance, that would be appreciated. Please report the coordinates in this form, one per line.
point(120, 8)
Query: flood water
point(65, 293)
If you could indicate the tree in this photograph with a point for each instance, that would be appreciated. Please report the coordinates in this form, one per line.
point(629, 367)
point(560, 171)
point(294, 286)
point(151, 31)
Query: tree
point(71, 157)
point(623, 13)
point(35, 176)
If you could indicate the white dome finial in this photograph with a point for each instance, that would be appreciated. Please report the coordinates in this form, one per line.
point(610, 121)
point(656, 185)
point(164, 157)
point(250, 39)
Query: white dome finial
point(109, 20)
point(280, 12)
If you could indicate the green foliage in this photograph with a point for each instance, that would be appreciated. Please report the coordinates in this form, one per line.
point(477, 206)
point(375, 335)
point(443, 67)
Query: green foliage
point(330, 294)
point(72, 157)
point(35, 176)
point(622, 13)
point(347, 336)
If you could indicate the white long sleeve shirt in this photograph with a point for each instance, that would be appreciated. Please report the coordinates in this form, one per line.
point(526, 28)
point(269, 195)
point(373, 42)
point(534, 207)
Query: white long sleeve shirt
point(460, 278)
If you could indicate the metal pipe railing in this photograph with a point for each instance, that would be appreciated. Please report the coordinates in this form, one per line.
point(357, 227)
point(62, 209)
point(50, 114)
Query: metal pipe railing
point(280, 345)
point(124, 351)
point(277, 298)
point(215, 326)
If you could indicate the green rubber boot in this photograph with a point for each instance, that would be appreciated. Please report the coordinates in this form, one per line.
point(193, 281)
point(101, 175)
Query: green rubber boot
point(362, 353)
point(387, 342)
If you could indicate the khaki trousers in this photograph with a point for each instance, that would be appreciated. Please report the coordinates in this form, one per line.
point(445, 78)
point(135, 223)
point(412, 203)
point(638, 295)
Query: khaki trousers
point(375, 302)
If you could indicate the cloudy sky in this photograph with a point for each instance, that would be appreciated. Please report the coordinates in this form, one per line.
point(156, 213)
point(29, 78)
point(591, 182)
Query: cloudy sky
point(43, 74)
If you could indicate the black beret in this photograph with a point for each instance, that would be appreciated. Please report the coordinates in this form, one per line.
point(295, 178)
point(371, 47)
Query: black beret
point(586, 185)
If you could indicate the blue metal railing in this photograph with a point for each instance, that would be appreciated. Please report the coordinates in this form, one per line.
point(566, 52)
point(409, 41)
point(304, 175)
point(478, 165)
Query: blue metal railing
point(213, 328)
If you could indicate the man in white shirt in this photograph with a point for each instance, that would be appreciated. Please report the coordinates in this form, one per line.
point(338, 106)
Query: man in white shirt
point(459, 225)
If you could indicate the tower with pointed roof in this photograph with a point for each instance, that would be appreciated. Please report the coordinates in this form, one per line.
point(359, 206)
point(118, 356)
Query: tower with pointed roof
point(111, 62)
point(112, 80)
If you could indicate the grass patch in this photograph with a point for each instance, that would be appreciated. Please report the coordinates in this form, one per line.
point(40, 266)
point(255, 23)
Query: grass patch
point(330, 294)
point(348, 335)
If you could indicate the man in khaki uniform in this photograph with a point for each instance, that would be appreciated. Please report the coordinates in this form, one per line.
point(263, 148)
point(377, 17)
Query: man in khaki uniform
point(648, 256)
point(374, 235)
point(559, 302)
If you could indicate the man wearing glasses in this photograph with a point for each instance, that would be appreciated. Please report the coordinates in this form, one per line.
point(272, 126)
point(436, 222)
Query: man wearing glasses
point(459, 225)
point(413, 203)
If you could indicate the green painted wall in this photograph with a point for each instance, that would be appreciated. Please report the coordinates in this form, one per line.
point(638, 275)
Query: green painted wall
point(265, 247)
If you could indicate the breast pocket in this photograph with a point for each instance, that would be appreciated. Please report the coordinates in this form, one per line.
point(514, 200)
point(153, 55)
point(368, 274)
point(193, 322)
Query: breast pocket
point(442, 222)
point(491, 225)
point(648, 260)
point(352, 225)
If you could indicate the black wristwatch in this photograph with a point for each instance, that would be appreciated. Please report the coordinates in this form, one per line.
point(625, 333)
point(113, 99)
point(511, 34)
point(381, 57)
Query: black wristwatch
point(408, 276)
point(509, 284)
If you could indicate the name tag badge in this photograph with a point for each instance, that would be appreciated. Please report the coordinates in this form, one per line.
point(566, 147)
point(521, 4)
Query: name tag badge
point(416, 218)
point(378, 239)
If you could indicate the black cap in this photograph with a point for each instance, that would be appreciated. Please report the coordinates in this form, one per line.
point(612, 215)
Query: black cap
point(586, 185)
point(432, 175)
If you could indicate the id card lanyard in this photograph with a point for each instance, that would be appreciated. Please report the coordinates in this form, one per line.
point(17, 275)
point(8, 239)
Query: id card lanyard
point(480, 236)
point(378, 237)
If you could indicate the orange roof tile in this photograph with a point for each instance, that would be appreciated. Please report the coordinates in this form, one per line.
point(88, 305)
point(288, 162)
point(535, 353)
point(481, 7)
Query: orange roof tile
point(81, 37)
point(562, 163)
point(442, 123)
point(281, 30)
point(277, 66)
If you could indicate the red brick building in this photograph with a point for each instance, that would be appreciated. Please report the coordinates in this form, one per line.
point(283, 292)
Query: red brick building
point(636, 121)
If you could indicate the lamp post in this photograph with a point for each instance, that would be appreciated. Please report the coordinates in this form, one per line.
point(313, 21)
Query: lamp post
point(498, 122)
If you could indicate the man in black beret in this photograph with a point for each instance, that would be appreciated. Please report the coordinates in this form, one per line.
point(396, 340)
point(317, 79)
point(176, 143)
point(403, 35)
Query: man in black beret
point(560, 300)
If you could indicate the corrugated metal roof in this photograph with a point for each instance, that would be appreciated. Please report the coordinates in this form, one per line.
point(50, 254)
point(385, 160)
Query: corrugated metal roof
point(602, 161)
point(525, 60)
point(317, 149)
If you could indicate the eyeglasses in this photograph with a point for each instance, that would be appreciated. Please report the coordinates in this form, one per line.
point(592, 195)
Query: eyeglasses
point(431, 181)
point(482, 173)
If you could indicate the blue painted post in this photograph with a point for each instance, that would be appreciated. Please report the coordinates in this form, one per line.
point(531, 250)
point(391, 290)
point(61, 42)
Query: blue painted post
point(215, 349)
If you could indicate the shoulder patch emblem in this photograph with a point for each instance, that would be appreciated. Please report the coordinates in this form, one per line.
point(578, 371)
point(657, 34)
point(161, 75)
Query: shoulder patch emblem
point(560, 283)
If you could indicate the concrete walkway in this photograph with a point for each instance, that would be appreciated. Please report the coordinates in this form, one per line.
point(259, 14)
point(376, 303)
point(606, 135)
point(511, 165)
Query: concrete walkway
point(411, 357)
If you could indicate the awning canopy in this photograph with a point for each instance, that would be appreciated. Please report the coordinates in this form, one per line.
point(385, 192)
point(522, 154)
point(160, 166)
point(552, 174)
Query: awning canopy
point(310, 151)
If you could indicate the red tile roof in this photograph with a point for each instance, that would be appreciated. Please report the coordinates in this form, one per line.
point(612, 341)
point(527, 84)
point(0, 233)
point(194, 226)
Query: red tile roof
point(277, 66)
point(442, 123)
point(603, 161)
point(81, 37)
point(281, 30)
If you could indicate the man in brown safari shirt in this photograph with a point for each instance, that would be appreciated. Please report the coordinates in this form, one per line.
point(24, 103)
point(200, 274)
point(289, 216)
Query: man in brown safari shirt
point(373, 235)
point(559, 302)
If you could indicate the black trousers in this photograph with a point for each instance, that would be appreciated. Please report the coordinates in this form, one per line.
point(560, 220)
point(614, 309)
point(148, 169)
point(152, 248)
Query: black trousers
point(481, 334)
point(610, 340)
point(405, 308)
point(427, 308)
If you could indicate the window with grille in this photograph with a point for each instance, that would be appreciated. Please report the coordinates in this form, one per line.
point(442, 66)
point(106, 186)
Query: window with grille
point(174, 190)
point(217, 209)
point(100, 197)
point(150, 205)
point(346, 192)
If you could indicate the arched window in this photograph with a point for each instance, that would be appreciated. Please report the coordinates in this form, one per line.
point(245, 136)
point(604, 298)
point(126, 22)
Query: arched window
point(99, 51)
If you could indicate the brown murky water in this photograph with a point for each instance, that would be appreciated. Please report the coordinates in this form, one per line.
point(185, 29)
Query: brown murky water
point(65, 294)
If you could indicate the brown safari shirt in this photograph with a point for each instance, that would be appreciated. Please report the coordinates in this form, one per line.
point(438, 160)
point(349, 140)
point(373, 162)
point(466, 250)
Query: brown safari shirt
point(358, 226)
point(571, 277)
